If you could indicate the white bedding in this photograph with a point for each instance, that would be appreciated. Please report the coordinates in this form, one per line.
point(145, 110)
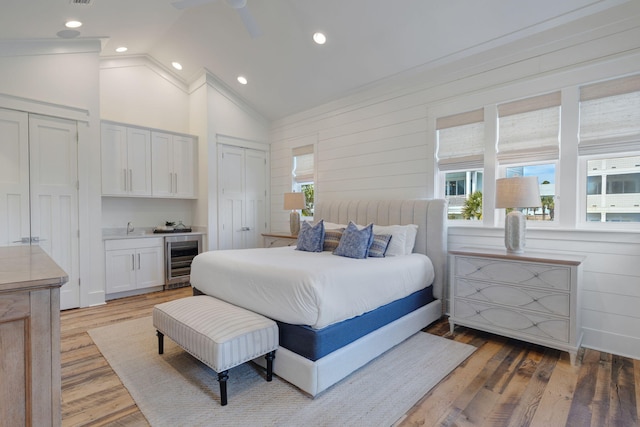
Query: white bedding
point(308, 288)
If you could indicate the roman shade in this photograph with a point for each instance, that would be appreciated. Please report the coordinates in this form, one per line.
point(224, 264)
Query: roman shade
point(610, 116)
point(303, 164)
point(529, 128)
point(461, 140)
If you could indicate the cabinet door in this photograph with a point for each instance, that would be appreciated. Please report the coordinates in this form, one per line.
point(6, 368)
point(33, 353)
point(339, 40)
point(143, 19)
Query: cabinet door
point(120, 266)
point(139, 161)
point(115, 173)
point(184, 166)
point(162, 171)
point(149, 267)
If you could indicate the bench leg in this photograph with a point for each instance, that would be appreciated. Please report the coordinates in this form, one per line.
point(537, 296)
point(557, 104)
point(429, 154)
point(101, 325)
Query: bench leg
point(270, 356)
point(160, 342)
point(222, 379)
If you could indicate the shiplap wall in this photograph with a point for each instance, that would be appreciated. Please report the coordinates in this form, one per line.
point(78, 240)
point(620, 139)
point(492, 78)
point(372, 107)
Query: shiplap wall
point(380, 143)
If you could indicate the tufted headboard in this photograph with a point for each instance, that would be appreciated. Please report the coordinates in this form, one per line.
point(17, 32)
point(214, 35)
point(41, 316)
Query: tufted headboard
point(429, 215)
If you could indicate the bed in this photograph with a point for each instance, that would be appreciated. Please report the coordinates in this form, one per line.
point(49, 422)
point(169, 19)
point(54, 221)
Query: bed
point(325, 335)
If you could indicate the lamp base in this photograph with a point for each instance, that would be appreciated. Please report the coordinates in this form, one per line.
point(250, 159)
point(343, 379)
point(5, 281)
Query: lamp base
point(514, 232)
point(294, 222)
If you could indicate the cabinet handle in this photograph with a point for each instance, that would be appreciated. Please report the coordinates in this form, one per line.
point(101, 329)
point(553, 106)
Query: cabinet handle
point(130, 179)
point(133, 262)
point(125, 179)
point(138, 261)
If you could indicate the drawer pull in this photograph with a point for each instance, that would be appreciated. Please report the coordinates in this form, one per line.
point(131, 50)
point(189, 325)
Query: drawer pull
point(536, 274)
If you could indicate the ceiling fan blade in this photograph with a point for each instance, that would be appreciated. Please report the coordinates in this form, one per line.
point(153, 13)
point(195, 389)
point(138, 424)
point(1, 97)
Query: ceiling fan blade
point(249, 22)
point(185, 4)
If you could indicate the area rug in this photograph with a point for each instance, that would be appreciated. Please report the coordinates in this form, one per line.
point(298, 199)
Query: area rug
point(175, 389)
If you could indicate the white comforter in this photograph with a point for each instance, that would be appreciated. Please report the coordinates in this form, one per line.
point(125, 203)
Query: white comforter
point(308, 288)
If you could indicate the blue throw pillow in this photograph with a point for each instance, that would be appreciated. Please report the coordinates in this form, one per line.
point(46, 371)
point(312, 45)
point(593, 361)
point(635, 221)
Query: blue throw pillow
point(355, 243)
point(311, 239)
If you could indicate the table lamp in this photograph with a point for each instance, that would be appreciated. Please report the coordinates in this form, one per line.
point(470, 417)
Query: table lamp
point(518, 192)
point(293, 202)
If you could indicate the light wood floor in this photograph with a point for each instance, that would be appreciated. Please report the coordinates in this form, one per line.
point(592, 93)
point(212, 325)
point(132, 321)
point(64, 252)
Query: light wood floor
point(504, 383)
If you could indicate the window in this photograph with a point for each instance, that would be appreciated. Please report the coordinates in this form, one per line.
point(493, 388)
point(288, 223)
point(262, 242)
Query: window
point(529, 131)
point(460, 159)
point(303, 176)
point(609, 143)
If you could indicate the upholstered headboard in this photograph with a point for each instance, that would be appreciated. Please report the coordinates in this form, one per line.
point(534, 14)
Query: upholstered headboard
point(429, 215)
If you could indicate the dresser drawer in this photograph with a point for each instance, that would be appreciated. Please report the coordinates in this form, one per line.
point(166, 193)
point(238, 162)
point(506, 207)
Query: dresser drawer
point(548, 302)
point(14, 306)
point(548, 276)
point(514, 322)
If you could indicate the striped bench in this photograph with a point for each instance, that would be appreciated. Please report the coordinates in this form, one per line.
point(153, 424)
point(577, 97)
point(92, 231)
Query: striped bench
point(219, 334)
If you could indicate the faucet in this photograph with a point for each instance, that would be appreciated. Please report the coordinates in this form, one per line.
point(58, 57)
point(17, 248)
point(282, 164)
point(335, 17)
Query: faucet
point(130, 227)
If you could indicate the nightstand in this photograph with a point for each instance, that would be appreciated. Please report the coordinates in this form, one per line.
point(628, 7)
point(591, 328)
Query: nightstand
point(276, 240)
point(532, 297)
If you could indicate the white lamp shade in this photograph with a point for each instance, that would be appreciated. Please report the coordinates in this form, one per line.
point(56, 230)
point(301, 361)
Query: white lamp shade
point(518, 192)
point(293, 201)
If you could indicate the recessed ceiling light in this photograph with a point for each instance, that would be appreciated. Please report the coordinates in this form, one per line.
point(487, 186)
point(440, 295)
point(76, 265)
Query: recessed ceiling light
point(319, 38)
point(73, 24)
point(121, 49)
point(242, 80)
point(177, 65)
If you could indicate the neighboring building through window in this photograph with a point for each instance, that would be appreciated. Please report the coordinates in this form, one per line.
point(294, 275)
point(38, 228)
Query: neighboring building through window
point(303, 176)
point(613, 189)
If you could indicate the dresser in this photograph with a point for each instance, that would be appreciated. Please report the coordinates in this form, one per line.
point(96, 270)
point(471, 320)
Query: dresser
point(532, 297)
point(29, 337)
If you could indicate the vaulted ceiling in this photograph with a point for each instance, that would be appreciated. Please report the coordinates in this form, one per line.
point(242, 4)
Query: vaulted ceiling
point(368, 41)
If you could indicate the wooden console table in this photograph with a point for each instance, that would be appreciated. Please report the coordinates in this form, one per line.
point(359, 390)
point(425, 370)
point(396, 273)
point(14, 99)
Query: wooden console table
point(30, 335)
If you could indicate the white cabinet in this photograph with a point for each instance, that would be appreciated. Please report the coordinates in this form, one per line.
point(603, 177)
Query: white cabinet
point(133, 264)
point(126, 160)
point(174, 169)
point(531, 297)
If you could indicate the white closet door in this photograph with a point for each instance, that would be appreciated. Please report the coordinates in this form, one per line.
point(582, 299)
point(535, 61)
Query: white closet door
point(53, 168)
point(231, 196)
point(242, 197)
point(255, 197)
point(14, 178)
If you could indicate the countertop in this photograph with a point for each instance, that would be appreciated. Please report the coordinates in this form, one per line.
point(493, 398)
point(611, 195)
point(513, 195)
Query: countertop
point(141, 232)
point(28, 267)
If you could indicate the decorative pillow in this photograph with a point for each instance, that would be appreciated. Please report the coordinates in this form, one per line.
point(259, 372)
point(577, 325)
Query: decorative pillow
point(311, 239)
point(334, 226)
point(332, 239)
point(355, 243)
point(403, 238)
point(379, 245)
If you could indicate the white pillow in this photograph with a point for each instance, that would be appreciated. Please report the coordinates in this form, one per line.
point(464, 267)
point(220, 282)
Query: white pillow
point(403, 238)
